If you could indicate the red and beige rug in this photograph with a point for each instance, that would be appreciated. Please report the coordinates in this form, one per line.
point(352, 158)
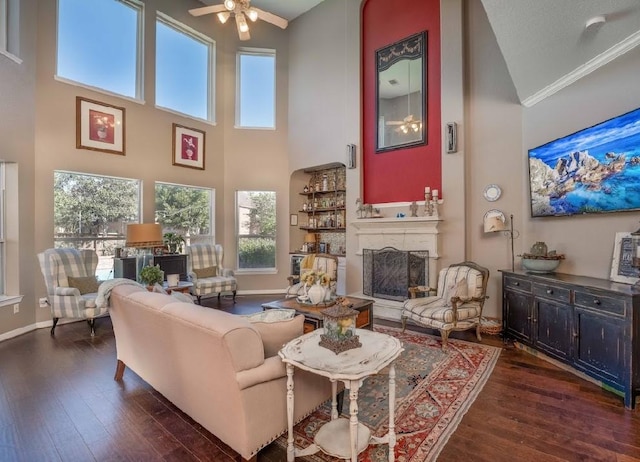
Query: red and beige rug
point(434, 389)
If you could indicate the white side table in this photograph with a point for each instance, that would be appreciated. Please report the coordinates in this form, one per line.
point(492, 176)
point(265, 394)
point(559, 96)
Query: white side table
point(340, 437)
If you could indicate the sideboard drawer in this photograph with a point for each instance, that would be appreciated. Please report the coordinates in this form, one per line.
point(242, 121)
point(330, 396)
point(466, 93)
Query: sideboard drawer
point(558, 293)
point(601, 303)
point(517, 283)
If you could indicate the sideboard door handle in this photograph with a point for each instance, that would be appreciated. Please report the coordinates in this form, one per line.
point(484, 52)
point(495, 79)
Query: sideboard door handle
point(549, 291)
point(516, 283)
point(596, 302)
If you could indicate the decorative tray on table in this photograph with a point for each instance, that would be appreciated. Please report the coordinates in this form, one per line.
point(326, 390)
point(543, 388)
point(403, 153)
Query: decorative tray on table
point(304, 300)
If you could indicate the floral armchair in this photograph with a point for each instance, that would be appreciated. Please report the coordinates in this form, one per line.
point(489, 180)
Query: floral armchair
point(205, 270)
point(318, 263)
point(457, 304)
point(72, 287)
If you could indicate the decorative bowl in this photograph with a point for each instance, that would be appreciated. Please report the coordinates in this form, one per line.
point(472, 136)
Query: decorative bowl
point(540, 265)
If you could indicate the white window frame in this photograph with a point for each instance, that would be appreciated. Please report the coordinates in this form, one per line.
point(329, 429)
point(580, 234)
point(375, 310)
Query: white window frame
point(3, 250)
point(211, 66)
point(266, 270)
point(139, 84)
point(254, 52)
point(9, 29)
point(212, 207)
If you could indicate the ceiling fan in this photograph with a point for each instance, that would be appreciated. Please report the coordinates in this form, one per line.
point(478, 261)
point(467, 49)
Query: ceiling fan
point(242, 10)
point(407, 124)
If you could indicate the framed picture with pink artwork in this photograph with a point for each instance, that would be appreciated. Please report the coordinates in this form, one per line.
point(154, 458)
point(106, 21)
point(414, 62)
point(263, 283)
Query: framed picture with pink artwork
point(188, 147)
point(99, 126)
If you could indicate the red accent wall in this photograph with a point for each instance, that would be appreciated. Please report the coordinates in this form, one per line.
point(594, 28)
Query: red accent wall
point(400, 175)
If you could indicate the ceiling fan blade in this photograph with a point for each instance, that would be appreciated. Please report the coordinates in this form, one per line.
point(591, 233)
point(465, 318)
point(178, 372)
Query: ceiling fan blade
point(271, 18)
point(207, 10)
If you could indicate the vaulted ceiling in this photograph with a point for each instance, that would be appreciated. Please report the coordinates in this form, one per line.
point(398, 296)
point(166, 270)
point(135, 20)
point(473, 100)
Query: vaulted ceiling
point(545, 43)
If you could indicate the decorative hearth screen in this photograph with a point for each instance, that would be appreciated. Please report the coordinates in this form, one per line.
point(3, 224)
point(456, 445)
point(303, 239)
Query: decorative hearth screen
point(388, 273)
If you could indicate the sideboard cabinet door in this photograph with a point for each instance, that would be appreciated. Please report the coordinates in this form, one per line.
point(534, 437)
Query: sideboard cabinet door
point(553, 323)
point(517, 312)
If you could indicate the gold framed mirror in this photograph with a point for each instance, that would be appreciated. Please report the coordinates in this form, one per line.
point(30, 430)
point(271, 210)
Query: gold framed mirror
point(401, 94)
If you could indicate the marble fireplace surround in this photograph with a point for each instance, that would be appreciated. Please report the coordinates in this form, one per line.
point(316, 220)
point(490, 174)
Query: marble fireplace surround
point(409, 233)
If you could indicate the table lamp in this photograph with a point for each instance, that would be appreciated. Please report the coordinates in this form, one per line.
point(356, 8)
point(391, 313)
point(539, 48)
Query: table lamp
point(144, 237)
point(310, 239)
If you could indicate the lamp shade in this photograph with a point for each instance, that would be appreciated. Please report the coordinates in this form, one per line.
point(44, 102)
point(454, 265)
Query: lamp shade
point(144, 235)
point(493, 224)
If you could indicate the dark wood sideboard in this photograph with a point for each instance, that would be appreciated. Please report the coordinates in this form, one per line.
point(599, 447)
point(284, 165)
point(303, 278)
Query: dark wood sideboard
point(587, 323)
point(170, 264)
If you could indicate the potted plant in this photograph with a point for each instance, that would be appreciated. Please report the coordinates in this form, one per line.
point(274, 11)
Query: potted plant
point(174, 241)
point(150, 275)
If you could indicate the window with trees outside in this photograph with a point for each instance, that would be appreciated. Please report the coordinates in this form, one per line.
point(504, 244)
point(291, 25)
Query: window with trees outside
point(186, 211)
point(100, 44)
point(2, 230)
point(92, 212)
point(256, 88)
point(184, 69)
point(256, 230)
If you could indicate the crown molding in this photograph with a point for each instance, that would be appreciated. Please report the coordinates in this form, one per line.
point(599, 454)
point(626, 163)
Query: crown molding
point(603, 58)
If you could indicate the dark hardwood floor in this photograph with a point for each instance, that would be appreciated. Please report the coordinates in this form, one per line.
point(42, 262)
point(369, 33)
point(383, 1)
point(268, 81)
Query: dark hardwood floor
point(59, 402)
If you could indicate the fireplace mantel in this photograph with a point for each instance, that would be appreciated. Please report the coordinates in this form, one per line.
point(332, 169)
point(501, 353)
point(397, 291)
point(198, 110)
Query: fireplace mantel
point(409, 233)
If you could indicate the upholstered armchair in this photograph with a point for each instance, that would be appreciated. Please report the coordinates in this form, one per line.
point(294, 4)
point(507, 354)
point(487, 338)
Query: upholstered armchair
point(319, 262)
point(206, 272)
point(72, 287)
point(457, 303)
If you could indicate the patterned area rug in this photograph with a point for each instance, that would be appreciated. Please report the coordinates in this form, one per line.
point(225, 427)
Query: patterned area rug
point(434, 390)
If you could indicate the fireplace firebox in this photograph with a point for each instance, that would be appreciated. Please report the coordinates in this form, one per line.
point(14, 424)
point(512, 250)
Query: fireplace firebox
point(388, 272)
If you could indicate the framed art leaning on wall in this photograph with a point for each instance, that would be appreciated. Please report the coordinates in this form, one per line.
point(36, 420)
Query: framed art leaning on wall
point(622, 269)
point(188, 147)
point(100, 126)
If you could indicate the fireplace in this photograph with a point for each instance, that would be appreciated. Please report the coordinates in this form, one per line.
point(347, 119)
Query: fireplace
point(389, 272)
point(405, 234)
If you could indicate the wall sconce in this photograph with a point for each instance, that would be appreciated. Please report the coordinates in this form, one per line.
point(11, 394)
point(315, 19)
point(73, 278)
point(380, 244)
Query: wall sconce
point(495, 221)
point(351, 156)
point(452, 137)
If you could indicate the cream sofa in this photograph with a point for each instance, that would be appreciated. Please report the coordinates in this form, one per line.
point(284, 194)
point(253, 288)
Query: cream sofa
point(220, 369)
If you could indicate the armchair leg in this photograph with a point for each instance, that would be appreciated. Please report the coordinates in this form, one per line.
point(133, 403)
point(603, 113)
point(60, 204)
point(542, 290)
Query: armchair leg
point(92, 326)
point(53, 328)
point(404, 323)
point(234, 296)
point(219, 295)
point(445, 336)
point(478, 332)
point(198, 297)
point(119, 371)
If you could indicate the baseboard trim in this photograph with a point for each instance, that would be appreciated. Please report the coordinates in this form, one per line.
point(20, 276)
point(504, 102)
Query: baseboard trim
point(31, 327)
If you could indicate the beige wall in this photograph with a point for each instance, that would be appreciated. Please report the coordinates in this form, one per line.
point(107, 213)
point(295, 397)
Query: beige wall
point(17, 125)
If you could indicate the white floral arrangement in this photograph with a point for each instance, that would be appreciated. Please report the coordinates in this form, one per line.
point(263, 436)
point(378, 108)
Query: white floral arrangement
point(311, 277)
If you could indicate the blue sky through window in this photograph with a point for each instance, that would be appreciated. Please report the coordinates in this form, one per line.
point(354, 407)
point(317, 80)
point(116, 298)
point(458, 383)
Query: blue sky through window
point(182, 70)
point(97, 44)
point(257, 90)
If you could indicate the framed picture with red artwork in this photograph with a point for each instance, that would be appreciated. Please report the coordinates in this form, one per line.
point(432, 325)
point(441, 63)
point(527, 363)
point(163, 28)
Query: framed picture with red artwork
point(188, 147)
point(99, 126)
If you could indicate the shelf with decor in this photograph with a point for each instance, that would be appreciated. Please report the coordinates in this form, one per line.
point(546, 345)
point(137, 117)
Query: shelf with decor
point(324, 200)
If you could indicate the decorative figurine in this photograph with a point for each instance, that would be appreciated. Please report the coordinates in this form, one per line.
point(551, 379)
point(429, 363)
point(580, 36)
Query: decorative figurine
point(414, 209)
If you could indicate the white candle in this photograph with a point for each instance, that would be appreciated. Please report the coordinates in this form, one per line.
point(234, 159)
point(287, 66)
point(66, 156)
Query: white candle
point(427, 189)
point(435, 193)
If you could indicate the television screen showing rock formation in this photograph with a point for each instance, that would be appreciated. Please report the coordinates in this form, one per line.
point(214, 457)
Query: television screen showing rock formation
point(595, 170)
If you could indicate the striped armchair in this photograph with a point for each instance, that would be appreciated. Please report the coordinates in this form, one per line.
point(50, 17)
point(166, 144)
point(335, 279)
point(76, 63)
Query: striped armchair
point(457, 304)
point(57, 266)
point(205, 270)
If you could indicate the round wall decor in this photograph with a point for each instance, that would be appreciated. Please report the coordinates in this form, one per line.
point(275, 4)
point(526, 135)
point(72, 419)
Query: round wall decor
point(492, 192)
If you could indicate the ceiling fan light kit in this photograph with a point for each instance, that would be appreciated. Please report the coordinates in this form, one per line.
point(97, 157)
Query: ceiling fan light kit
point(595, 22)
point(241, 9)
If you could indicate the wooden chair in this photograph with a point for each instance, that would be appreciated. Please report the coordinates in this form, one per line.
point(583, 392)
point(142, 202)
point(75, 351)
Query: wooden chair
point(457, 303)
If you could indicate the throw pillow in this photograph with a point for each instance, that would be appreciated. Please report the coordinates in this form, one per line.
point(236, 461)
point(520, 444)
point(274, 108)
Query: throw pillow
point(208, 272)
point(276, 334)
point(86, 285)
point(182, 297)
point(459, 289)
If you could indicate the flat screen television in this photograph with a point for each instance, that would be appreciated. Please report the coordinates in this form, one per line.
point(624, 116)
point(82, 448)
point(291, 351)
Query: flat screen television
point(594, 170)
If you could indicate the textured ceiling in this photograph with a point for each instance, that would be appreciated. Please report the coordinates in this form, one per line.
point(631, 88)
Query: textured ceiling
point(546, 46)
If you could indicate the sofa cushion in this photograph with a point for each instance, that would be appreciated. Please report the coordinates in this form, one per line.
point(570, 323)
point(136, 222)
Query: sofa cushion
point(208, 272)
point(86, 285)
point(276, 334)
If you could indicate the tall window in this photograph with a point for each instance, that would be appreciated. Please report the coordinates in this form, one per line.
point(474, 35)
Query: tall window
point(184, 69)
point(92, 212)
point(256, 89)
point(2, 231)
point(256, 225)
point(100, 44)
point(187, 211)
point(9, 28)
